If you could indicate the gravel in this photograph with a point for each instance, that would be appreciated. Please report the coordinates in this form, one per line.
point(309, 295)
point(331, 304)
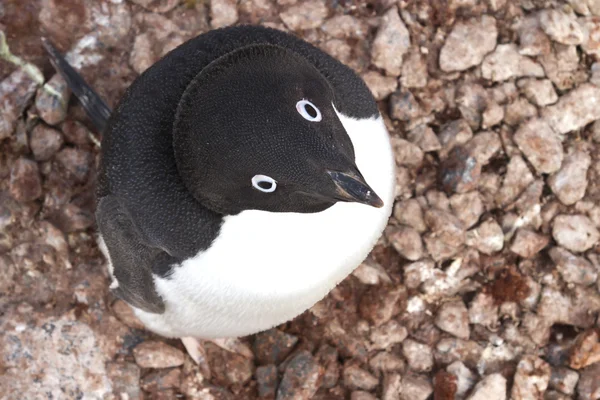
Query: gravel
point(485, 284)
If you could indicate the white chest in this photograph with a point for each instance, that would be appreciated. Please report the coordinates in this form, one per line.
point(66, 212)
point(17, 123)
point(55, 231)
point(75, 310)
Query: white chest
point(267, 268)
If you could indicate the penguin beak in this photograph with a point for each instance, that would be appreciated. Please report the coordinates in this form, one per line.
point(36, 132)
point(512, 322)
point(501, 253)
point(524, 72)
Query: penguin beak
point(353, 188)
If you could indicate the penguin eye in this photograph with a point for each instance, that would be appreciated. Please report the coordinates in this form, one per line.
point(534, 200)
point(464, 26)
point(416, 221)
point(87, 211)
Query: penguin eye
point(264, 183)
point(308, 111)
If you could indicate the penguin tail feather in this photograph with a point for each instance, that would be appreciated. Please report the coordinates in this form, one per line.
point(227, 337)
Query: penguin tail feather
point(96, 109)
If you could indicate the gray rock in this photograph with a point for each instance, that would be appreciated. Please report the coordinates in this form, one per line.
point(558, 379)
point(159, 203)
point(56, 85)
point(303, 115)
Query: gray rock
point(45, 142)
point(574, 110)
point(468, 43)
point(414, 70)
point(409, 212)
point(16, 92)
point(532, 39)
point(125, 377)
point(266, 377)
point(564, 380)
point(419, 356)
point(415, 387)
point(468, 207)
point(575, 232)
point(380, 86)
point(301, 378)
point(506, 62)
point(223, 13)
point(562, 27)
point(155, 354)
point(517, 179)
point(308, 14)
point(407, 153)
point(484, 145)
point(52, 100)
point(492, 387)
point(540, 92)
point(589, 385)
point(572, 268)
point(391, 43)
point(570, 182)
point(528, 243)
point(453, 317)
point(488, 237)
point(25, 182)
point(357, 378)
point(406, 241)
point(388, 335)
point(541, 145)
point(518, 111)
point(424, 137)
point(345, 26)
point(273, 346)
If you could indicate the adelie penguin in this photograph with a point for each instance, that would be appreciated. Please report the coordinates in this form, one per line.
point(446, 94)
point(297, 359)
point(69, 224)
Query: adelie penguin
point(242, 177)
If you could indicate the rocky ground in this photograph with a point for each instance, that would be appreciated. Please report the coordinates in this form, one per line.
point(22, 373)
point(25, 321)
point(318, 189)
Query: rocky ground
point(485, 284)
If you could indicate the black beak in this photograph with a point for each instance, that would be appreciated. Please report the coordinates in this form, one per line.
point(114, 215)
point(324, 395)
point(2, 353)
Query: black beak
point(353, 188)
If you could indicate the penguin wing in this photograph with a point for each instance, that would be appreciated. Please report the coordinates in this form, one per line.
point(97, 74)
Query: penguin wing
point(133, 260)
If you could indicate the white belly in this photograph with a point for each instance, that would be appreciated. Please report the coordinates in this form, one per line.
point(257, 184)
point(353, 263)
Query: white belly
point(267, 268)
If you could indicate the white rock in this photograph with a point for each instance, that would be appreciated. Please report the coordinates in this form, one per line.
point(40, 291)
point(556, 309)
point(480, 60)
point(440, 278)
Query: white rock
point(570, 182)
point(540, 144)
point(465, 379)
point(531, 379)
point(574, 110)
point(391, 43)
point(562, 27)
point(540, 92)
point(453, 317)
point(575, 232)
point(492, 387)
point(506, 62)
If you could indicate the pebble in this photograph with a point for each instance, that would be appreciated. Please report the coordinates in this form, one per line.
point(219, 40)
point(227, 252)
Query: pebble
point(564, 380)
point(391, 42)
point(447, 230)
point(266, 377)
point(540, 145)
point(492, 116)
point(562, 66)
point(415, 387)
point(460, 171)
point(575, 232)
point(301, 378)
point(589, 384)
point(492, 387)
point(518, 111)
point(392, 387)
point(388, 335)
point(452, 134)
point(586, 349)
point(357, 378)
point(449, 350)
point(345, 26)
point(406, 241)
point(468, 207)
point(572, 268)
point(575, 109)
point(407, 153)
point(125, 314)
point(562, 27)
point(424, 137)
point(75, 133)
point(386, 362)
point(228, 368)
point(487, 238)
point(25, 182)
point(328, 358)
point(570, 182)
point(155, 354)
point(531, 379)
point(528, 243)
point(532, 39)
point(404, 106)
point(381, 86)
point(465, 379)
point(517, 179)
point(161, 380)
point(414, 71)
point(125, 377)
point(483, 310)
point(468, 43)
point(506, 63)
point(45, 142)
point(157, 6)
point(273, 346)
point(309, 14)
point(52, 100)
point(419, 356)
point(76, 163)
point(379, 304)
point(484, 145)
point(16, 91)
point(369, 272)
point(591, 37)
point(453, 317)
point(540, 92)
point(361, 395)
point(223, 13)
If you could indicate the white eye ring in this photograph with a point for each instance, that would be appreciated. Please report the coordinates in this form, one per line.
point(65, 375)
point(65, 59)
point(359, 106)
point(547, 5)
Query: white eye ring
point(264, 183)
point(308, 111)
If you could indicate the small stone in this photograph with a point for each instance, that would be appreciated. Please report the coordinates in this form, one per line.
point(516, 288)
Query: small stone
point(468, 43)
point(564, 380)
point(345, 26)
point(586, 349)
point(125, 379)
point(378, 305)
point(506, 62)
point(540, 92)
point(161, 380)
point(157, 6)
point(16, 91)
point(301, 378)
point(492, 116)
point(468, 207)
point(455, 133)
point(517, 179)
point(392, 387)
point(483, 310)
point(357, 378)
point(25, 181)
point(414, 71)
point(575, 109)
point(572, 268)
point(388, 335)
point(154, 354)
point(472, 100)
point(370, 272)
point(75, 132)
point(591, 37)
point(532, 39)
point(453, 317)
point(424, 137)
point(465, 379)
point(407, 153)
point(418, 355)
point(445, 386)
point(328, 358)
point(528, 243)
point(562, 27)
point(518, 111)
point(406, 241)
point(309, 14)
point(273, 346)
point(541, 145)
point(391, 42)
point(589, 384)
point(484, 145)
point(404, 106)
point(75, 162)
point(361, 395)
point(415, 387)
point(380, 86)
point(487, 238)
point(531, 379)
point(492, 387)
point(223, 13)
point(386, 362)
point(266, 378)
point(72, 218)
point(52, 100)
point(125, 314)
point(575, 232)
point(562, 66)
point(570, 182)
point(460, 171)
point(45, 142)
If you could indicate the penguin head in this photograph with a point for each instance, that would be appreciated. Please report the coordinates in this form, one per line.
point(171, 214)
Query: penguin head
point(257, 129)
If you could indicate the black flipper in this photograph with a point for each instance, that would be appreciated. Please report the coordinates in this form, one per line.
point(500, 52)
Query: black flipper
point(96, 109)
point(133, 261)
